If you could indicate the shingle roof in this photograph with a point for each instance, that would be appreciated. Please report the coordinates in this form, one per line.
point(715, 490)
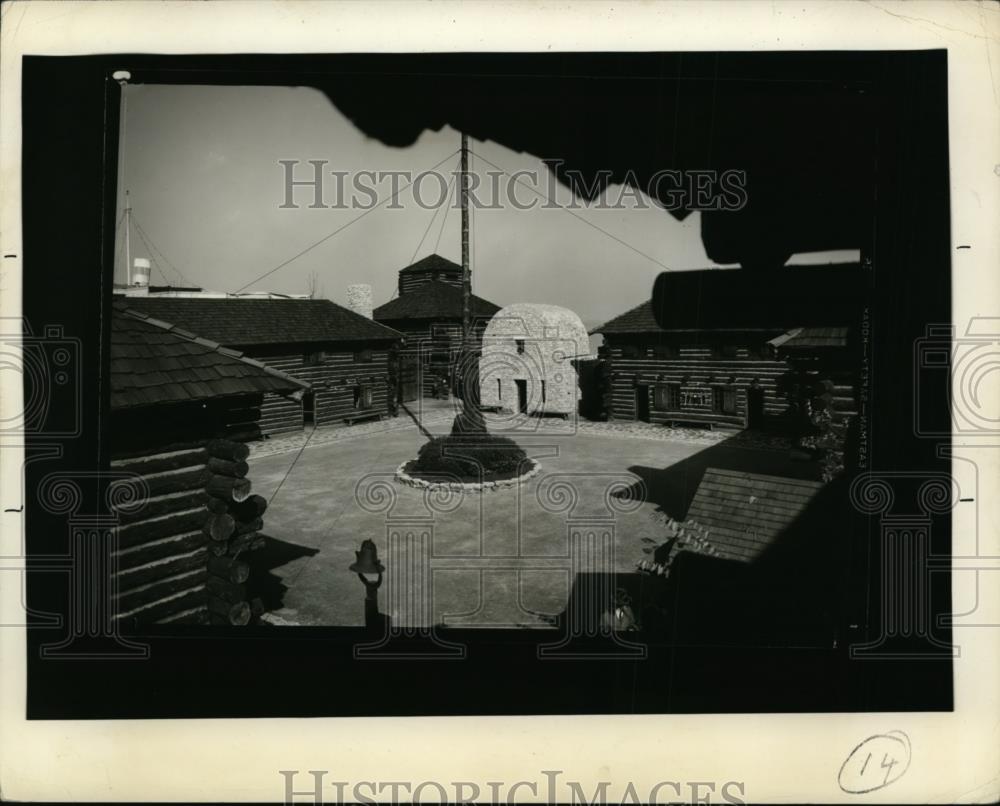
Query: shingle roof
point(247, 322)
point(745, 512)
point(811, 338)
point(640, 319)
point(432, 263)
point(433, 300)
point(155, 362)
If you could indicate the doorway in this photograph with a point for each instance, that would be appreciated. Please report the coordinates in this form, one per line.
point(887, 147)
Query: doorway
point(409, 377)
point(309, 408)
point(522, 396)
point(642, 403)
point(755, 407)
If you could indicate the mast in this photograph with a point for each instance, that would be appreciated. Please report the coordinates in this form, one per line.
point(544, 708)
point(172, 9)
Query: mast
point(123, 77)
point(471, 418)
point(466, 269)
point(128, 243)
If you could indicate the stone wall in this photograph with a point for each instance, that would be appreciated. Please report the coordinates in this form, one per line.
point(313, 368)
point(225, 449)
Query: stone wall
point(532, 346)
point(359, 299)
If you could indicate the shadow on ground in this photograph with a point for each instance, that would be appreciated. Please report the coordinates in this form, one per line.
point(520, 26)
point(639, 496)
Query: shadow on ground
point(263, 583)
point(790, 594)
point(672, 488)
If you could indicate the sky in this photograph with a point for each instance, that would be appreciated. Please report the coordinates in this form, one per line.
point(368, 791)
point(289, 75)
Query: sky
point(201, 166)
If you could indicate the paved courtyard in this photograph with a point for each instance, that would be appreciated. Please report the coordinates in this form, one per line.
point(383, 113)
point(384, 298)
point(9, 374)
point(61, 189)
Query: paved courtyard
point(500, 558)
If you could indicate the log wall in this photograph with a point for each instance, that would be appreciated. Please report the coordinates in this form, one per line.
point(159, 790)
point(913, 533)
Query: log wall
point(697, 373)
point(333, 382)
point(408, 281)
point(199, 506)
point(429, 341)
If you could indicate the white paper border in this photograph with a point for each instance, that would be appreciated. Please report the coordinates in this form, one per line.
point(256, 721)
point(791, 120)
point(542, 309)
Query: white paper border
point(781, 758)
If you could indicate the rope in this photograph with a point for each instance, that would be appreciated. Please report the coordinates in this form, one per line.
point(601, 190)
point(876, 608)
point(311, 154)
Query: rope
point(337, 231)
point(444, 219)
point(291, 467)
point(431, 222)
point(156, 263)
point(579, 217)
point(148, 240)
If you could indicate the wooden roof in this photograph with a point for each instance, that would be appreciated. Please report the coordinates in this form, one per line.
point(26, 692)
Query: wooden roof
point(432, 263)
point(809, 338)
point(154, 362)
point(433, 300)
point(745, 512)
point(640, 320)
point(248, 322)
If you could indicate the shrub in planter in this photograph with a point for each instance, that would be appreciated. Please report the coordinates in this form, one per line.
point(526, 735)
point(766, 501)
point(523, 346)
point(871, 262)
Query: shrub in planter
point(470, 457)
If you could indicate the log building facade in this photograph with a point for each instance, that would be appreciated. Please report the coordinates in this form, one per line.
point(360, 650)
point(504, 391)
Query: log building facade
point(342, 355)
point(182, 410)
point(428, 312)
point(720, 377)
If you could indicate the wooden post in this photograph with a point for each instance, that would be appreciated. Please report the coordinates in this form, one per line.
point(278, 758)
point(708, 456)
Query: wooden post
point(466, 267)
point(228, 488)
point(228, 449)
point(247, 510)
point(219, 527)
point(225, 467)
point(235, 571)
point(232, 526)
point(471, 418)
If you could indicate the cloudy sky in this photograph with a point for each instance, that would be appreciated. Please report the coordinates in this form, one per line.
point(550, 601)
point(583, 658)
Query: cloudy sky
point(206, 188)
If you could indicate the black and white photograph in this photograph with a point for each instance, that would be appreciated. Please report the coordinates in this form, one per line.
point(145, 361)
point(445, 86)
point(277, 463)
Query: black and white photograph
point(442, 381)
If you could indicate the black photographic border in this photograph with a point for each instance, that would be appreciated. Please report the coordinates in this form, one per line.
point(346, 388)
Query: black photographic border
point(70, 139)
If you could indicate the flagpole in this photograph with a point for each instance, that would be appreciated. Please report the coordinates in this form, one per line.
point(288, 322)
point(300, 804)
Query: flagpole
point(472, 417)
point(466, 268)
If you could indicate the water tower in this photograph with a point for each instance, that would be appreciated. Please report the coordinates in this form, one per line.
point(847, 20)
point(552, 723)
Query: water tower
point(140, 272)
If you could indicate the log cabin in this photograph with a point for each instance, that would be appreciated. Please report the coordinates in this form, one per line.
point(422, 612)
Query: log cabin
point(745, 377)
point(341, 354)
point(428, 312)
point(182, 408)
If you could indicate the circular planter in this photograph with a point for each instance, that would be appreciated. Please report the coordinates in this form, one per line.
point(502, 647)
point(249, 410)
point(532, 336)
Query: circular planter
point(470, 486)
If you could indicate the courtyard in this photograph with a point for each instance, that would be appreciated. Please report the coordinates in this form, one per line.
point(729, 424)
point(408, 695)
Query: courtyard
point(499, 558)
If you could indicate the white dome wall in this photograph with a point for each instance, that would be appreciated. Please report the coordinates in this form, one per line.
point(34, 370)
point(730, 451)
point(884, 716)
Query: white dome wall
point(553, 338)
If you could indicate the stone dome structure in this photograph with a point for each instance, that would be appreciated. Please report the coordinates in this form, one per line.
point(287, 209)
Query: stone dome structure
point(528, 360)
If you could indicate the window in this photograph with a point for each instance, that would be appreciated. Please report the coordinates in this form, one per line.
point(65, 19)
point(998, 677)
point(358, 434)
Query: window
point(543, 391)
point(666, 351)
point(499, 389)
point(724, 400)
point(364, 357)
point(520, 346)
point(723, 351)
point(667, 396)
point(362, 396)
point(630, 351)
point(312, 359)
